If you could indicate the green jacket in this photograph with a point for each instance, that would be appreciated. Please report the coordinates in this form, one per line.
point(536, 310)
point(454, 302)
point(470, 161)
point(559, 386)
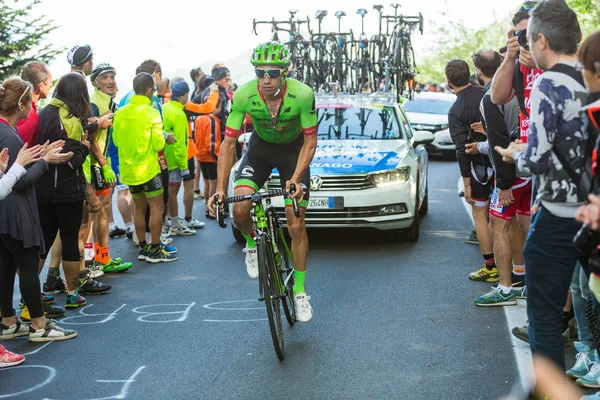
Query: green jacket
point(138, 134)
point(176, 122)
point(101, 104)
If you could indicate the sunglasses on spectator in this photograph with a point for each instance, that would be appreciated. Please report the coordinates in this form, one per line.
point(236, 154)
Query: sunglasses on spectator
point(26, 90)
point(271, 73)
point(529, 5)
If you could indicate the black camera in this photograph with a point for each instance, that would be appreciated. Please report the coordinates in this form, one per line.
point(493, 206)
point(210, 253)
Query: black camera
point(586, 239)
point(514, 135)
point(522, 34)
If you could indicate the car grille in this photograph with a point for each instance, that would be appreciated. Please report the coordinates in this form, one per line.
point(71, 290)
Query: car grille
point(349, 215)
point(337, 182)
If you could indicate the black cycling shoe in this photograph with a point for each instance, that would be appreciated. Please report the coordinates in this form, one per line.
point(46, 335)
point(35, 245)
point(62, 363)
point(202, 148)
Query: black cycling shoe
point(129, 234)
point(117, 232)
point(54, 284)
point(94, 287)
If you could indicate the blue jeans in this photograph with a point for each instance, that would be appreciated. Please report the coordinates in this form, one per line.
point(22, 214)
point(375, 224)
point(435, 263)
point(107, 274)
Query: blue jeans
point(550, 258)
point(580, 292)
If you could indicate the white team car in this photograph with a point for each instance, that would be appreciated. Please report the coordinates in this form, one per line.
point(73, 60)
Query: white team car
point(369, 170)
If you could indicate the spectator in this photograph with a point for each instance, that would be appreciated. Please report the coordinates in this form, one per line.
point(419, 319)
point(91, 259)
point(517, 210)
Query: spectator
point(511, 196)
point(197, 75)
point(21, 239)
point(61, 191)
point(138, 135)
point(40, 78)
point(556, 143)
point(475, 170)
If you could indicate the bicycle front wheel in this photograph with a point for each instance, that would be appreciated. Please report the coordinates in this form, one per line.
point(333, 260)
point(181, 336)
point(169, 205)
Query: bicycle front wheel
point(286, 273)
point(271, 293)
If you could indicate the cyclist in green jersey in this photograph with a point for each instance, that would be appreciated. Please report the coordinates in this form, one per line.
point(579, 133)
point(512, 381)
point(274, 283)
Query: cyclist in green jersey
point(285, 125)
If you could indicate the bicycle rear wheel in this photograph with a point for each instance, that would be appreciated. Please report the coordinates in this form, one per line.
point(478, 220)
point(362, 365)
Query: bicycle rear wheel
point(286, 271)
point(271, 293)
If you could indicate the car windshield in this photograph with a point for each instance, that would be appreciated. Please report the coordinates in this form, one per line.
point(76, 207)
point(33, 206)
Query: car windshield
point(357, 123)
point(428, 106)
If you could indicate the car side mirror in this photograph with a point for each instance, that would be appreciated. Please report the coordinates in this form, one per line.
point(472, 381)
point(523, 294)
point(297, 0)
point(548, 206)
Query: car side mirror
point(423, 137)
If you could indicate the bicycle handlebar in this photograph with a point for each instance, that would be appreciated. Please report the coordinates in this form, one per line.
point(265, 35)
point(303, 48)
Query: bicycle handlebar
point(256, 196)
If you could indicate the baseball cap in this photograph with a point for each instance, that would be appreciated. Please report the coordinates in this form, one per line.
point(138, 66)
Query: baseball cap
point(80, 54)
point(179, 89)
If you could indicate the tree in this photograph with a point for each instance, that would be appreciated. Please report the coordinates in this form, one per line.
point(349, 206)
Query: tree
point(22, 38)
point(458, 41)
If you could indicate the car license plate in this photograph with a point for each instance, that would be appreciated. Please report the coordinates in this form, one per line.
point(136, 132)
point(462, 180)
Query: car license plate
point(321, 202)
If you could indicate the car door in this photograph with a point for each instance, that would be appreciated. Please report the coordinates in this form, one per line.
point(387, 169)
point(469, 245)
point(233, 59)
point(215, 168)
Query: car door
point(419, 153)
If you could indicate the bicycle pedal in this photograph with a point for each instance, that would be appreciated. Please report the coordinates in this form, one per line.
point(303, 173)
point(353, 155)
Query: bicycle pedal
point(261, 299)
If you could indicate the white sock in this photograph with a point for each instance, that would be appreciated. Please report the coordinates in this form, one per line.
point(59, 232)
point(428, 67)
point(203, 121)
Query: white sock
point(72, 293)
point(148, 237)
point(111, 226)
point(521, 267)
point(176, 222)
point(504, 289)
point(129, 226)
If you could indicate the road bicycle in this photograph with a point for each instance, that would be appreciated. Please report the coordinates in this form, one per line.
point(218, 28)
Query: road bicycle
point(275, 262)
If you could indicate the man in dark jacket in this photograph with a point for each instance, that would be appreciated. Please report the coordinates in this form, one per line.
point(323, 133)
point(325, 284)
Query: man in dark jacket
point(464, 123)
point(511, 196)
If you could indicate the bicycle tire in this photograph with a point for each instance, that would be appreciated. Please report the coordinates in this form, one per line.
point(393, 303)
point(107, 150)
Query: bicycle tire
point(266, 267)
point(289, 308)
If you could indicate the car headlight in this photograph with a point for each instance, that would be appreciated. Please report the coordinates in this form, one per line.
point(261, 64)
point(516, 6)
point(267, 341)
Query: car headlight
point(441, 127)
point(390, 177)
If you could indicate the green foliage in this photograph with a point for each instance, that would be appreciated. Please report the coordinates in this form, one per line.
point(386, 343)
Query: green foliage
point(455, 40)
point(22, 37)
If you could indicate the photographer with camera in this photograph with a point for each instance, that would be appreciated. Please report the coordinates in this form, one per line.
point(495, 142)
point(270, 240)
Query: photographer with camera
point(558, 136)
point(464, 123)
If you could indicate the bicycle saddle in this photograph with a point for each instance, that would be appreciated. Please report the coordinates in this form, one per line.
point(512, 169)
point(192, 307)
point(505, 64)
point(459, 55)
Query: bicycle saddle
point(340, 14)
point(362, 12)
point(293, 12)
point(395, 5)
point(378, 7)
point(321, 14)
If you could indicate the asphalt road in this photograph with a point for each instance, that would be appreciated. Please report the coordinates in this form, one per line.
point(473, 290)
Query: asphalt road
point(393, 320)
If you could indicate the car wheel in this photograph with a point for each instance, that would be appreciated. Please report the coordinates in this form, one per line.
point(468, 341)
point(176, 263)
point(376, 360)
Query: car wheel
point(425, 206)
point(237, 234)
point(412, 233)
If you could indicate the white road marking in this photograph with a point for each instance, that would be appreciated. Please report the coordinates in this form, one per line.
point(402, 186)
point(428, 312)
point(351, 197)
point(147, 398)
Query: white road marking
point(516, 316)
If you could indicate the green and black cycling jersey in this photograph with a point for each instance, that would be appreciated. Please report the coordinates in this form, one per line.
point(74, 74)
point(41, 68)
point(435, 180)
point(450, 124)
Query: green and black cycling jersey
point(297, 114)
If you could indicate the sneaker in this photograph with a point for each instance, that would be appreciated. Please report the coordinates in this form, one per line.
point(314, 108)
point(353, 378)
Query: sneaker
point(10, 359)
point(590, 380)
point(166, 240)
point(52, 331)
point(136, 241)
point(485, 275)
point(13, 331)
point(251, 262)
point(193, 224)
point(198, 195)
point(166, 231)
point(49, 312)
point(472, 238)
point(585, 358)
point(117, 232)
point(496, 297)
point(522, 333)
point(169, 249)
point(96, 270)
point(115, 265)
point(129, 233)
point(76, 300)
point(54, 284)
point(91, 286)
point(519, 289)
point(304, 312)
point(45, 299)
point(159, 254)
point(143, 253)
point(182, 230)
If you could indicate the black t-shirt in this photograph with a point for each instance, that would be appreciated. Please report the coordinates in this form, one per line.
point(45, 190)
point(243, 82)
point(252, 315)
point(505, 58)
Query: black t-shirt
point(462, 114)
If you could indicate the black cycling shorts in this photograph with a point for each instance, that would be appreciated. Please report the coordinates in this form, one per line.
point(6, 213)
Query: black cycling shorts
point(482, 185)
point(260, 159)
point(209, 170)
point(152, 188)
point(192, 169)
